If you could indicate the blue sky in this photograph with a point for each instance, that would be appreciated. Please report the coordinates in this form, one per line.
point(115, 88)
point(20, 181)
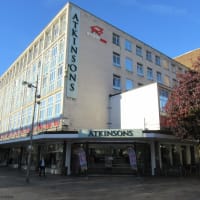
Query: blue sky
point(172, 27)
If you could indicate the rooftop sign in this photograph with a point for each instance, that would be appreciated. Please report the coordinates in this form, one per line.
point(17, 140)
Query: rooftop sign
point(97, 32)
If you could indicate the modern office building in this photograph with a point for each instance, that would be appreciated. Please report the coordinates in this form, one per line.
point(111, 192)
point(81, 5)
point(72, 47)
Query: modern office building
point(78, 65)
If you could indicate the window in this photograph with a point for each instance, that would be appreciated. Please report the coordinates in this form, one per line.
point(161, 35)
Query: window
point(23, 122)
point(180, 70)
point(40, 45)
point(159, 77)
point(149, 73)
point(116, 59)
point(50, 107)
point(163, 99)
point(29, 116)
point(63, 24)
point(47, 38)
point(52, 76)
point(173, 68)
point(44, 82)
point(167, 80)
point(61, 52)
point(54, 52)
point(116, 39)
point(30, 55)
point(129, 84)
point(35, 52)
point(42, 110)
point(165, 64)
point(174, 83)
point(157, 60)
point(148, 56)
point(116, 82)
point(129, 64)
point(140, 70)
point(55, 31)
point(138, 51)
point(59, 76)
point(47, 57)
point(128, 45)
point(58, 105)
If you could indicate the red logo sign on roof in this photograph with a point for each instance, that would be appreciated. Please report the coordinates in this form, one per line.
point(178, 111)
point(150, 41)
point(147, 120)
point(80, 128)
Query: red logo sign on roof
point(96, 29)
point(96, 32)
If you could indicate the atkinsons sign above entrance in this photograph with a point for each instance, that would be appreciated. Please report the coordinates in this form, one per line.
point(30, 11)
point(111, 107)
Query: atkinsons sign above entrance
point(114, 133)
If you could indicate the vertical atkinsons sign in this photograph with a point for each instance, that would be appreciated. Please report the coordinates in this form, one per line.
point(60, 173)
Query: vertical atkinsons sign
point(73, 52)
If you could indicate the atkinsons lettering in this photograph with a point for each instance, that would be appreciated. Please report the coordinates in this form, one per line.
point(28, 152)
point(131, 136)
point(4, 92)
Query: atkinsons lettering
point(73, 53)
point(111, 133)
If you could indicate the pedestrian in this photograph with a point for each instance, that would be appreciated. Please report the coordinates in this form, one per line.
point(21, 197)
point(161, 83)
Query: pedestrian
point(42, 167)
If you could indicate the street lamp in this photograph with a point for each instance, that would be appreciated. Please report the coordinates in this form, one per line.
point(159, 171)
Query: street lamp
point(30, 147)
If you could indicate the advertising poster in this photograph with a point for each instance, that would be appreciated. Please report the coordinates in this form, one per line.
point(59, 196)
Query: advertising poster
point(132, 158)
point(82, 159)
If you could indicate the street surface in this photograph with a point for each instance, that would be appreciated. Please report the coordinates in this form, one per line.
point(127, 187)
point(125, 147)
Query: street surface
point(57, 187)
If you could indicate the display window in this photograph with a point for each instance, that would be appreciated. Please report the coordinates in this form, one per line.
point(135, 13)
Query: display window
point(53, 155)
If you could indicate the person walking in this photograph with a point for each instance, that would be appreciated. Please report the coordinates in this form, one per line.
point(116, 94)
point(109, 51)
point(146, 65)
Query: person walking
point(42, 167)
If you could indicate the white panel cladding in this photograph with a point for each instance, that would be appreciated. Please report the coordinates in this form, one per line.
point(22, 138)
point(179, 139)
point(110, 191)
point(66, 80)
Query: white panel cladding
point(136, 109)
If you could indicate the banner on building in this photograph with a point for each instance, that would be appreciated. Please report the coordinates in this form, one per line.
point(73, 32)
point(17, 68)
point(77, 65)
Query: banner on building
point(132, 158)
point(82, 159)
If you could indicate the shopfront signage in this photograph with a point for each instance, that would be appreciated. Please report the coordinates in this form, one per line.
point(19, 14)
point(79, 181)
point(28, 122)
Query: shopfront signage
point(99, 133)
point(96, 32)
point(73, 53)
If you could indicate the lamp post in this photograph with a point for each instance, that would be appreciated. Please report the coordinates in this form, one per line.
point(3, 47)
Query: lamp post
point(30, 147)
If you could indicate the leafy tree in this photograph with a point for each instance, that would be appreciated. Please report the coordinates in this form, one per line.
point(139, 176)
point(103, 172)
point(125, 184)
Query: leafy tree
point(183, 106)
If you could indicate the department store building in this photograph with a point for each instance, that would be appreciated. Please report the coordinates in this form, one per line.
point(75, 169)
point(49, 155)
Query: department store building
point(94, 82)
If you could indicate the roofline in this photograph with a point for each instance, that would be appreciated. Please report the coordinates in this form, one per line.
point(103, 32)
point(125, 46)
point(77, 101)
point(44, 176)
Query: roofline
point(187, 53)
point(61, 10)
point(106, 22)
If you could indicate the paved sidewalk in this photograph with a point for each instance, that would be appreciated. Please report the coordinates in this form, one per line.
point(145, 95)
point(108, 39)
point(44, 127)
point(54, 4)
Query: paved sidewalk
point(57, 187)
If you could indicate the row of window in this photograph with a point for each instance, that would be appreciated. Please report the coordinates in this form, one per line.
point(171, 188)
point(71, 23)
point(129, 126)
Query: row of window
point(49, 69)
point(48, 108)
point(130, 84)
point(139, 52)
point(117, 83)
point(141, 71)
point(129, 63)
point(50, 35)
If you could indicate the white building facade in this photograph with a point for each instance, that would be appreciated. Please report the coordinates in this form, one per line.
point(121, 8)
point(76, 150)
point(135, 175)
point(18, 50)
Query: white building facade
point(80, 61)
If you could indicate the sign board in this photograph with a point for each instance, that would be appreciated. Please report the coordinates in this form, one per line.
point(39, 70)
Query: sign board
point(73, 53)
point(110, 133)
